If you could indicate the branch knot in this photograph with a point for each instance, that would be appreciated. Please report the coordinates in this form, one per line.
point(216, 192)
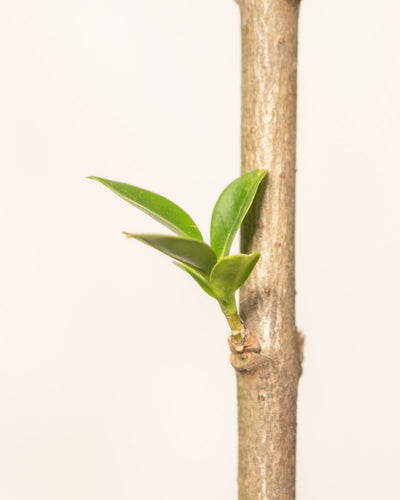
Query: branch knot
point(245, 352)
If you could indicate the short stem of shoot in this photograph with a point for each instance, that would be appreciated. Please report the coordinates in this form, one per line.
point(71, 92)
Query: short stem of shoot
point(231, 313)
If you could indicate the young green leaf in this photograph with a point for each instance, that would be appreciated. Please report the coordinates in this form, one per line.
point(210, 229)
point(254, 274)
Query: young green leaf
point(199, 277)
point(159, 208)
point(230, 273)
point(231, 208)
point(193, 253)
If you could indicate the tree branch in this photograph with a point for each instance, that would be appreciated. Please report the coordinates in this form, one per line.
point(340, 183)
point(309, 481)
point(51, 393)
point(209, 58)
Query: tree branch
point(268, 378)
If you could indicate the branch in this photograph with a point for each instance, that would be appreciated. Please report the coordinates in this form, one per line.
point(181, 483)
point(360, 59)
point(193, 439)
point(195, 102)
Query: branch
point(268, 379)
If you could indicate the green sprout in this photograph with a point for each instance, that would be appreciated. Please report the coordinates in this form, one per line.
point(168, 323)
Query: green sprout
point(218, 273)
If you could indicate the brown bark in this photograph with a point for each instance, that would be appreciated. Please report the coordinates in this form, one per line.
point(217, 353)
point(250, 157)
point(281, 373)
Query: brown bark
point(267, 376)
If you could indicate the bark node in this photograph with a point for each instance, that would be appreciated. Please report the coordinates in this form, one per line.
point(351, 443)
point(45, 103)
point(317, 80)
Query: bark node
point(267, 380)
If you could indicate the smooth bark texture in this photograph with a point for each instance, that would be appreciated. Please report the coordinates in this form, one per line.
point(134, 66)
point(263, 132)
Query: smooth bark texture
point(268, 369)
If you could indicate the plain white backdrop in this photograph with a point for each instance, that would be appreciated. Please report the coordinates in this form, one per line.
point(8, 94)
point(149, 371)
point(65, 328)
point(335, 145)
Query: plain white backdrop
point(114, 374)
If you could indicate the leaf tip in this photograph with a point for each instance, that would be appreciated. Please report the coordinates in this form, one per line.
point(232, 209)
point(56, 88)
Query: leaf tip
point(262, 173)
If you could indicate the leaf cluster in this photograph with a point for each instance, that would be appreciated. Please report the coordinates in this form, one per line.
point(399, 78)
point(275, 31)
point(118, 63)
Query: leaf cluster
point(218, 273)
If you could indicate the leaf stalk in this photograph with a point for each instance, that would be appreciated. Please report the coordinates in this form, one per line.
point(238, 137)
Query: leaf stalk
point(235, 322)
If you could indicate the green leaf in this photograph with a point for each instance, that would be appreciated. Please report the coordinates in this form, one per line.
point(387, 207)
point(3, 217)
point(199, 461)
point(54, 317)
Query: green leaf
point(159, 208)
point(193, 253)
point(197, 276)
point(231, 208)
point(230, 273)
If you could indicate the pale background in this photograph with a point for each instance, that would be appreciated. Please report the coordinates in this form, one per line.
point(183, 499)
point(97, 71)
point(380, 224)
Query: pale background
point(114, 373)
